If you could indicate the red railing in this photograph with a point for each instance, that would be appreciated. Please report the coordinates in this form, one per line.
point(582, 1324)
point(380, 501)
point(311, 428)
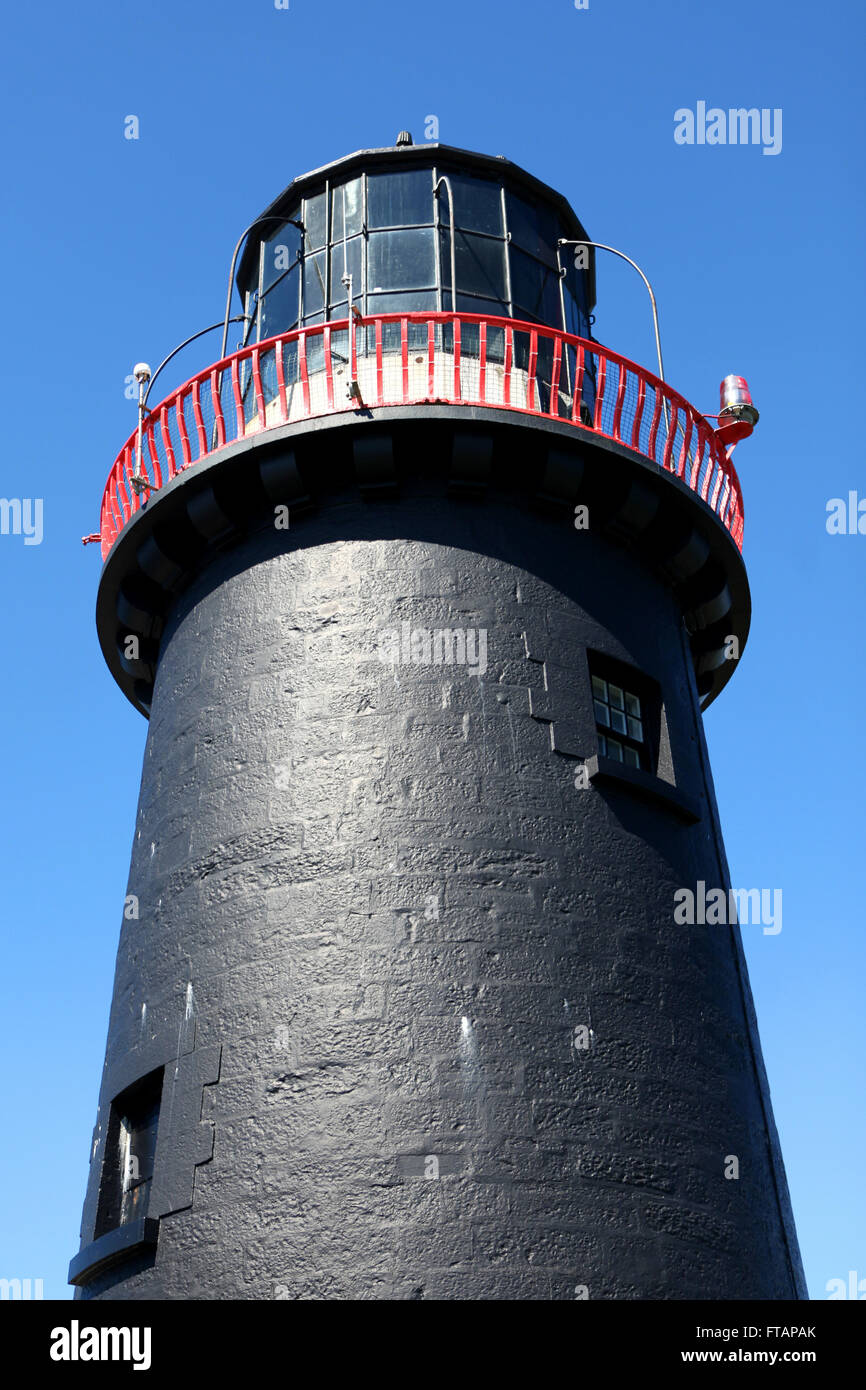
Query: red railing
point(408, 359)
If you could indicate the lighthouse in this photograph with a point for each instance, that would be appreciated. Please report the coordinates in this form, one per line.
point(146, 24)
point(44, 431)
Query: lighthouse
point(423, 590)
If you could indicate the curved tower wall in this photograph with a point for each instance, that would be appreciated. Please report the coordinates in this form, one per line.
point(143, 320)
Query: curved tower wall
point(394, 908)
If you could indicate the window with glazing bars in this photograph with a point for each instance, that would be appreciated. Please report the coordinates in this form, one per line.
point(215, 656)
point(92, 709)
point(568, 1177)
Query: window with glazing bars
point(619, 720)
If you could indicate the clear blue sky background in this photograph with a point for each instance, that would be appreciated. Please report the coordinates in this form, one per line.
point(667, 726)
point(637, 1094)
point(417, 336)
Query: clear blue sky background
point(116, 250)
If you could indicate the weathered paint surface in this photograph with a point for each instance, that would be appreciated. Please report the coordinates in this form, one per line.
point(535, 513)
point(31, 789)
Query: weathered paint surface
point(395, 908)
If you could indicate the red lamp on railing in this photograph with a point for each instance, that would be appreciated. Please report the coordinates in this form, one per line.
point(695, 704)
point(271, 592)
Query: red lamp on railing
point(737, 415)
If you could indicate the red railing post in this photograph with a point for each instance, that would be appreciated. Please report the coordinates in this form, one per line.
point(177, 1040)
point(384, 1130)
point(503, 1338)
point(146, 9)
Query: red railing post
point(531, 386)
point(669, 442)
point(557, 368)
point(404, 357)
point(166, 444)
point(181, 429)
point(713, 463)
point(579, 373)
point(302, 365)
point(379, 383)
point(329, 367)
point(153, 455)
point(431, 359)
point(638, 412)
point(654, 426)
point(197, 416)
point(700, 446)
point(599, 394)
point(684, 451)
point(620, 398)
point(123, 493)
point(258, 389)
point(238, 400)
point(457, 383)
point(219, 419)
point(281, 381)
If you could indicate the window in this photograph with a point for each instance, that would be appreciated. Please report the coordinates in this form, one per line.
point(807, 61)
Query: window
point(577, 318)
point(535, 288)
point(417, 300)
point(619, 719)
point(479, 264)
point(400, 200)
point(350, 195)
point(576, 321)
point(534, 227)
point(353, 250)
point(281, 251)
point(314, 219)
point(130, 1148)
point(477, 204)
point(279, 307)
point(314, 286)
point(401, 260)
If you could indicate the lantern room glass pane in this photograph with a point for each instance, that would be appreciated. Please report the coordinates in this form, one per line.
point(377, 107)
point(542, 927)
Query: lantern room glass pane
point(477, 304)
point(479, 264)
point(353, 265)
point(534, 227)
point(576, 292)
point(353, 195)
point(401, 260)
point(279, 307)
point(314, 285)
point(477, 205)
point(280, 252)
point(576, 320)
point(415, 302)
point(400, 199)
point(534, 288)
point(315, 219)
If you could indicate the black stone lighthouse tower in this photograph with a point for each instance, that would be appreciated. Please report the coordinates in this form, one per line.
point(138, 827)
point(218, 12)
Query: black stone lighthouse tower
point(423, 591)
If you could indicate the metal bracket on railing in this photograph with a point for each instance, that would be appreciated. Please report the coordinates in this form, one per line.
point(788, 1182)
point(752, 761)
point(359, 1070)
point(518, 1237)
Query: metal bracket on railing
point(353, 391)
point(91, 539)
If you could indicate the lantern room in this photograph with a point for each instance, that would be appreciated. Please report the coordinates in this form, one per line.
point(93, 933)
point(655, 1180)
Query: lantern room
point(394, 228)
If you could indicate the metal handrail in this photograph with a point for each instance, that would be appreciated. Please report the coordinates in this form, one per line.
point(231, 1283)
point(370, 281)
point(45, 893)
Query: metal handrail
point(410, 359)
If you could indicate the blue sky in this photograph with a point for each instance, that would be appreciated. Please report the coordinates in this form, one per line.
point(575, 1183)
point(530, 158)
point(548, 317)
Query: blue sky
point(116, 250)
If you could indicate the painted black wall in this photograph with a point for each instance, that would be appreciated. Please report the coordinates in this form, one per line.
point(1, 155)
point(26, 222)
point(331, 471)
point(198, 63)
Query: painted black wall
point(338, 861)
